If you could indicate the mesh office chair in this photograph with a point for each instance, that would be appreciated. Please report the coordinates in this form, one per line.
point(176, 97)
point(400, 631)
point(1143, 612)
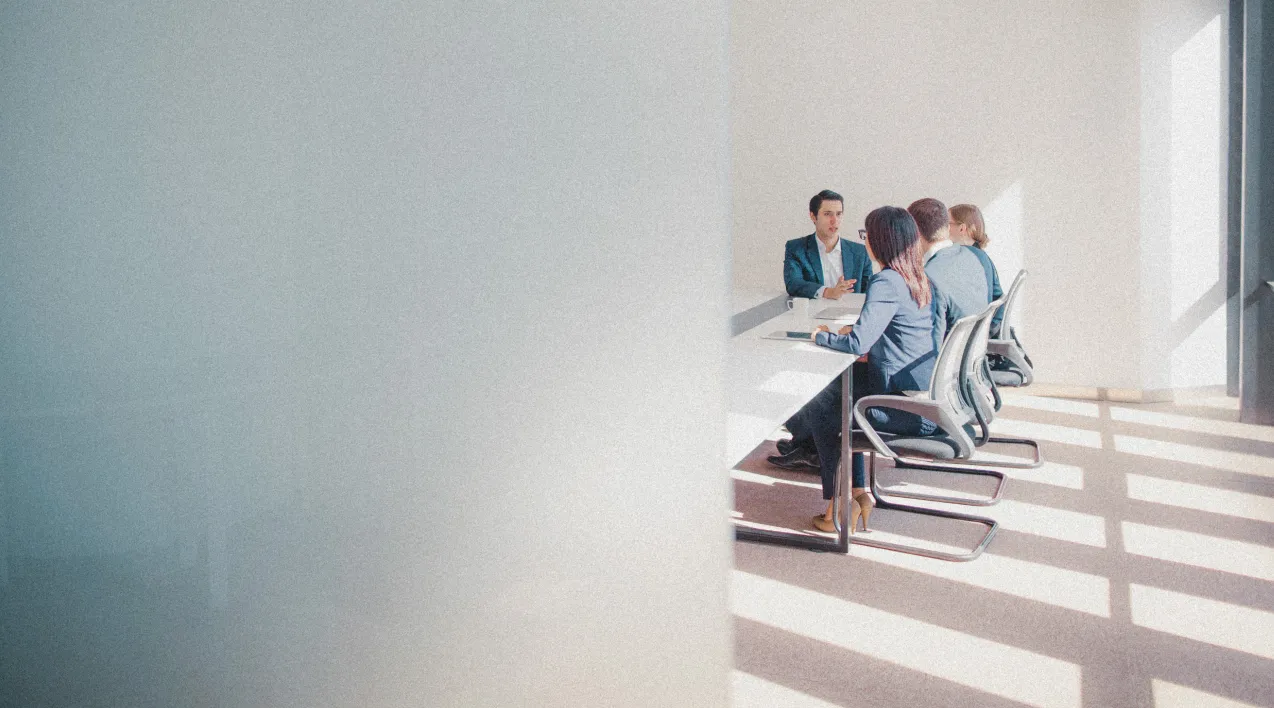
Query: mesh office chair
point(983, 396)
point(1014, 367)
point(974, 395)
point(947, 403)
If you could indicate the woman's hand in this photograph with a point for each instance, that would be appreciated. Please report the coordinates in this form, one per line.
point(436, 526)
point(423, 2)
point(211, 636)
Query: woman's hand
point(846, 329)
point(820, 328)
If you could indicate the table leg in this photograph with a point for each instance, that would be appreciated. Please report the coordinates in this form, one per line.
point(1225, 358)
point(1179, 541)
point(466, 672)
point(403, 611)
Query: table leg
point(840, 494)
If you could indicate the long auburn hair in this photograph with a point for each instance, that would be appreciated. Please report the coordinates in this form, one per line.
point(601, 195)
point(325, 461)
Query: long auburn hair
point(971, 216)
point(895, 241)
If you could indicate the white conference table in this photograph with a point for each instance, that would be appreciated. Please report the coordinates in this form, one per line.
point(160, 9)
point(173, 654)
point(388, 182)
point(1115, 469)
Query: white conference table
point(767, 381)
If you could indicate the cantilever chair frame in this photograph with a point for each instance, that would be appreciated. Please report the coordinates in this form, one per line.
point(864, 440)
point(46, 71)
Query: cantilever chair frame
point(1012, 350)
point(840, 495)
point(960, 393)
point(982, 396)
point(949, 378)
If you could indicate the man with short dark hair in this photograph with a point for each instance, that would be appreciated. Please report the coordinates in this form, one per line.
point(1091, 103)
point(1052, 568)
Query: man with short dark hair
point(958, 280)
point(823, 264)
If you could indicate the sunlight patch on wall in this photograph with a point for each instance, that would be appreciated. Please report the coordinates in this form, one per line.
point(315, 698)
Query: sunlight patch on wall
point(1197, 292)
point(1005, 226)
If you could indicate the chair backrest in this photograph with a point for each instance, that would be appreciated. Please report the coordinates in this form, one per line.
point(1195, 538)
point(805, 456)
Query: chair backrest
point(1011, 300)
point(977, 387)
point(945, 385)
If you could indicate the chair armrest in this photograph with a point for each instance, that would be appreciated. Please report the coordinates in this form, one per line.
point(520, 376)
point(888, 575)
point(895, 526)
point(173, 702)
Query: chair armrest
point(923, 407)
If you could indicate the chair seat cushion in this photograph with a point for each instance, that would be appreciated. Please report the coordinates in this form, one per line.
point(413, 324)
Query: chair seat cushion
point(935, 447)
point(1007, 378)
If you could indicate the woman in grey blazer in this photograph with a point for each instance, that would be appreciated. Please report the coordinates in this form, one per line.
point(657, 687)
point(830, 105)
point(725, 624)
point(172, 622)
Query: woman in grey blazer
point(895, 330)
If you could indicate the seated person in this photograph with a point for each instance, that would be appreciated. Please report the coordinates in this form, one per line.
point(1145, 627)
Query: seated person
point(823, 264)
point(820, 265)
point(895, 327)
point(960, 286)
point(968, 229)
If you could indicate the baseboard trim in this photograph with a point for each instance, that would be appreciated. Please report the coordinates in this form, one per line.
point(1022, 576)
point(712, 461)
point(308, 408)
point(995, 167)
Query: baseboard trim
point(1098, 393)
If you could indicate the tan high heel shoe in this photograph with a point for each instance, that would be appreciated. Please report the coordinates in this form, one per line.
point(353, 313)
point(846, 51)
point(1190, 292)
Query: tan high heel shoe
point(855, 511)
point(822, 524)
point(864, 502)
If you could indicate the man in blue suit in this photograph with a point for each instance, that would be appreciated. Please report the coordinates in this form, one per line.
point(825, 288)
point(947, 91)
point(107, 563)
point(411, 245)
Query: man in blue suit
point(959, 282)
point(823, 264)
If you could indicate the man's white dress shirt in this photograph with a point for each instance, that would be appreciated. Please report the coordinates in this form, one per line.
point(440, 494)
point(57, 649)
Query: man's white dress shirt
point(833, 265)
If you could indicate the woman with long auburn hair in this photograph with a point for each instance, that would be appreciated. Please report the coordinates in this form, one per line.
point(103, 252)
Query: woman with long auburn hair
point(895, 329)
point(969, 230)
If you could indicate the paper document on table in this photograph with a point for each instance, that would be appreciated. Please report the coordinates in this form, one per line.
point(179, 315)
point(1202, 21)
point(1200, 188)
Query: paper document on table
point(849, 305)
point(837, 313)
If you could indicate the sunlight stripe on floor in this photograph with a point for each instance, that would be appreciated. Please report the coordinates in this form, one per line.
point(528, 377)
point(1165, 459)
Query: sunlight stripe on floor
point(877, 534)
point(1171, 695)
point(1192, 455)
point(1175, 695)
point(981, 664)
point(1054, 474)
point(1048, 584)
point(1246, 431)
point(1203, 620)
point(1044, 431)
point(1222, 554)
point(1053, 405)
point(753, 477)
point(748, 691)
point(985, 457)
point(1035, 519)
point(910, 486)
point(1046, 521)
point(1196, 496)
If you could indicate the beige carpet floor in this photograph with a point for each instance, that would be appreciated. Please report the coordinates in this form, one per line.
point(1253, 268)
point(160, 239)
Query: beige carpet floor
point(1136, 568)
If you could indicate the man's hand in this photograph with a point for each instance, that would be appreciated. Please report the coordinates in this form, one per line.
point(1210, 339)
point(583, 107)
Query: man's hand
point(846, 329)
point(820, 328)
point(841, 287)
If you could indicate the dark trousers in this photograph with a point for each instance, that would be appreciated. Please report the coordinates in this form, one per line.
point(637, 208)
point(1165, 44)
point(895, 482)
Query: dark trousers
point(820, 420)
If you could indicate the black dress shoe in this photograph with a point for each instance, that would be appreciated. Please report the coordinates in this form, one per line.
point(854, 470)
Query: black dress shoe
point(798, 459)
point(787, 445)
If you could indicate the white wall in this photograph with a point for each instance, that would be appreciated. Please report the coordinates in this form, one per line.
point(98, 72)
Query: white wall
point(1033, 111)
point(1185, 84)
point(355, 355)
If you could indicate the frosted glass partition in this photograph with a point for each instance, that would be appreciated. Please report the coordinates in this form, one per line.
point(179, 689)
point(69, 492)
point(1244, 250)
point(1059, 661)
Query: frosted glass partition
point(363, 355)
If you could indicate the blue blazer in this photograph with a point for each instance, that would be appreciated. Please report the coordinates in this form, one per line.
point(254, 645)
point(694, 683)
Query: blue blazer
point(993, 282)
point(803, 267)
point(960, 288)
point(896, 332)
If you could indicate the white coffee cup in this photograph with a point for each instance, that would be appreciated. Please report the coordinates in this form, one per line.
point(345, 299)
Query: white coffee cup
point(803, 310)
